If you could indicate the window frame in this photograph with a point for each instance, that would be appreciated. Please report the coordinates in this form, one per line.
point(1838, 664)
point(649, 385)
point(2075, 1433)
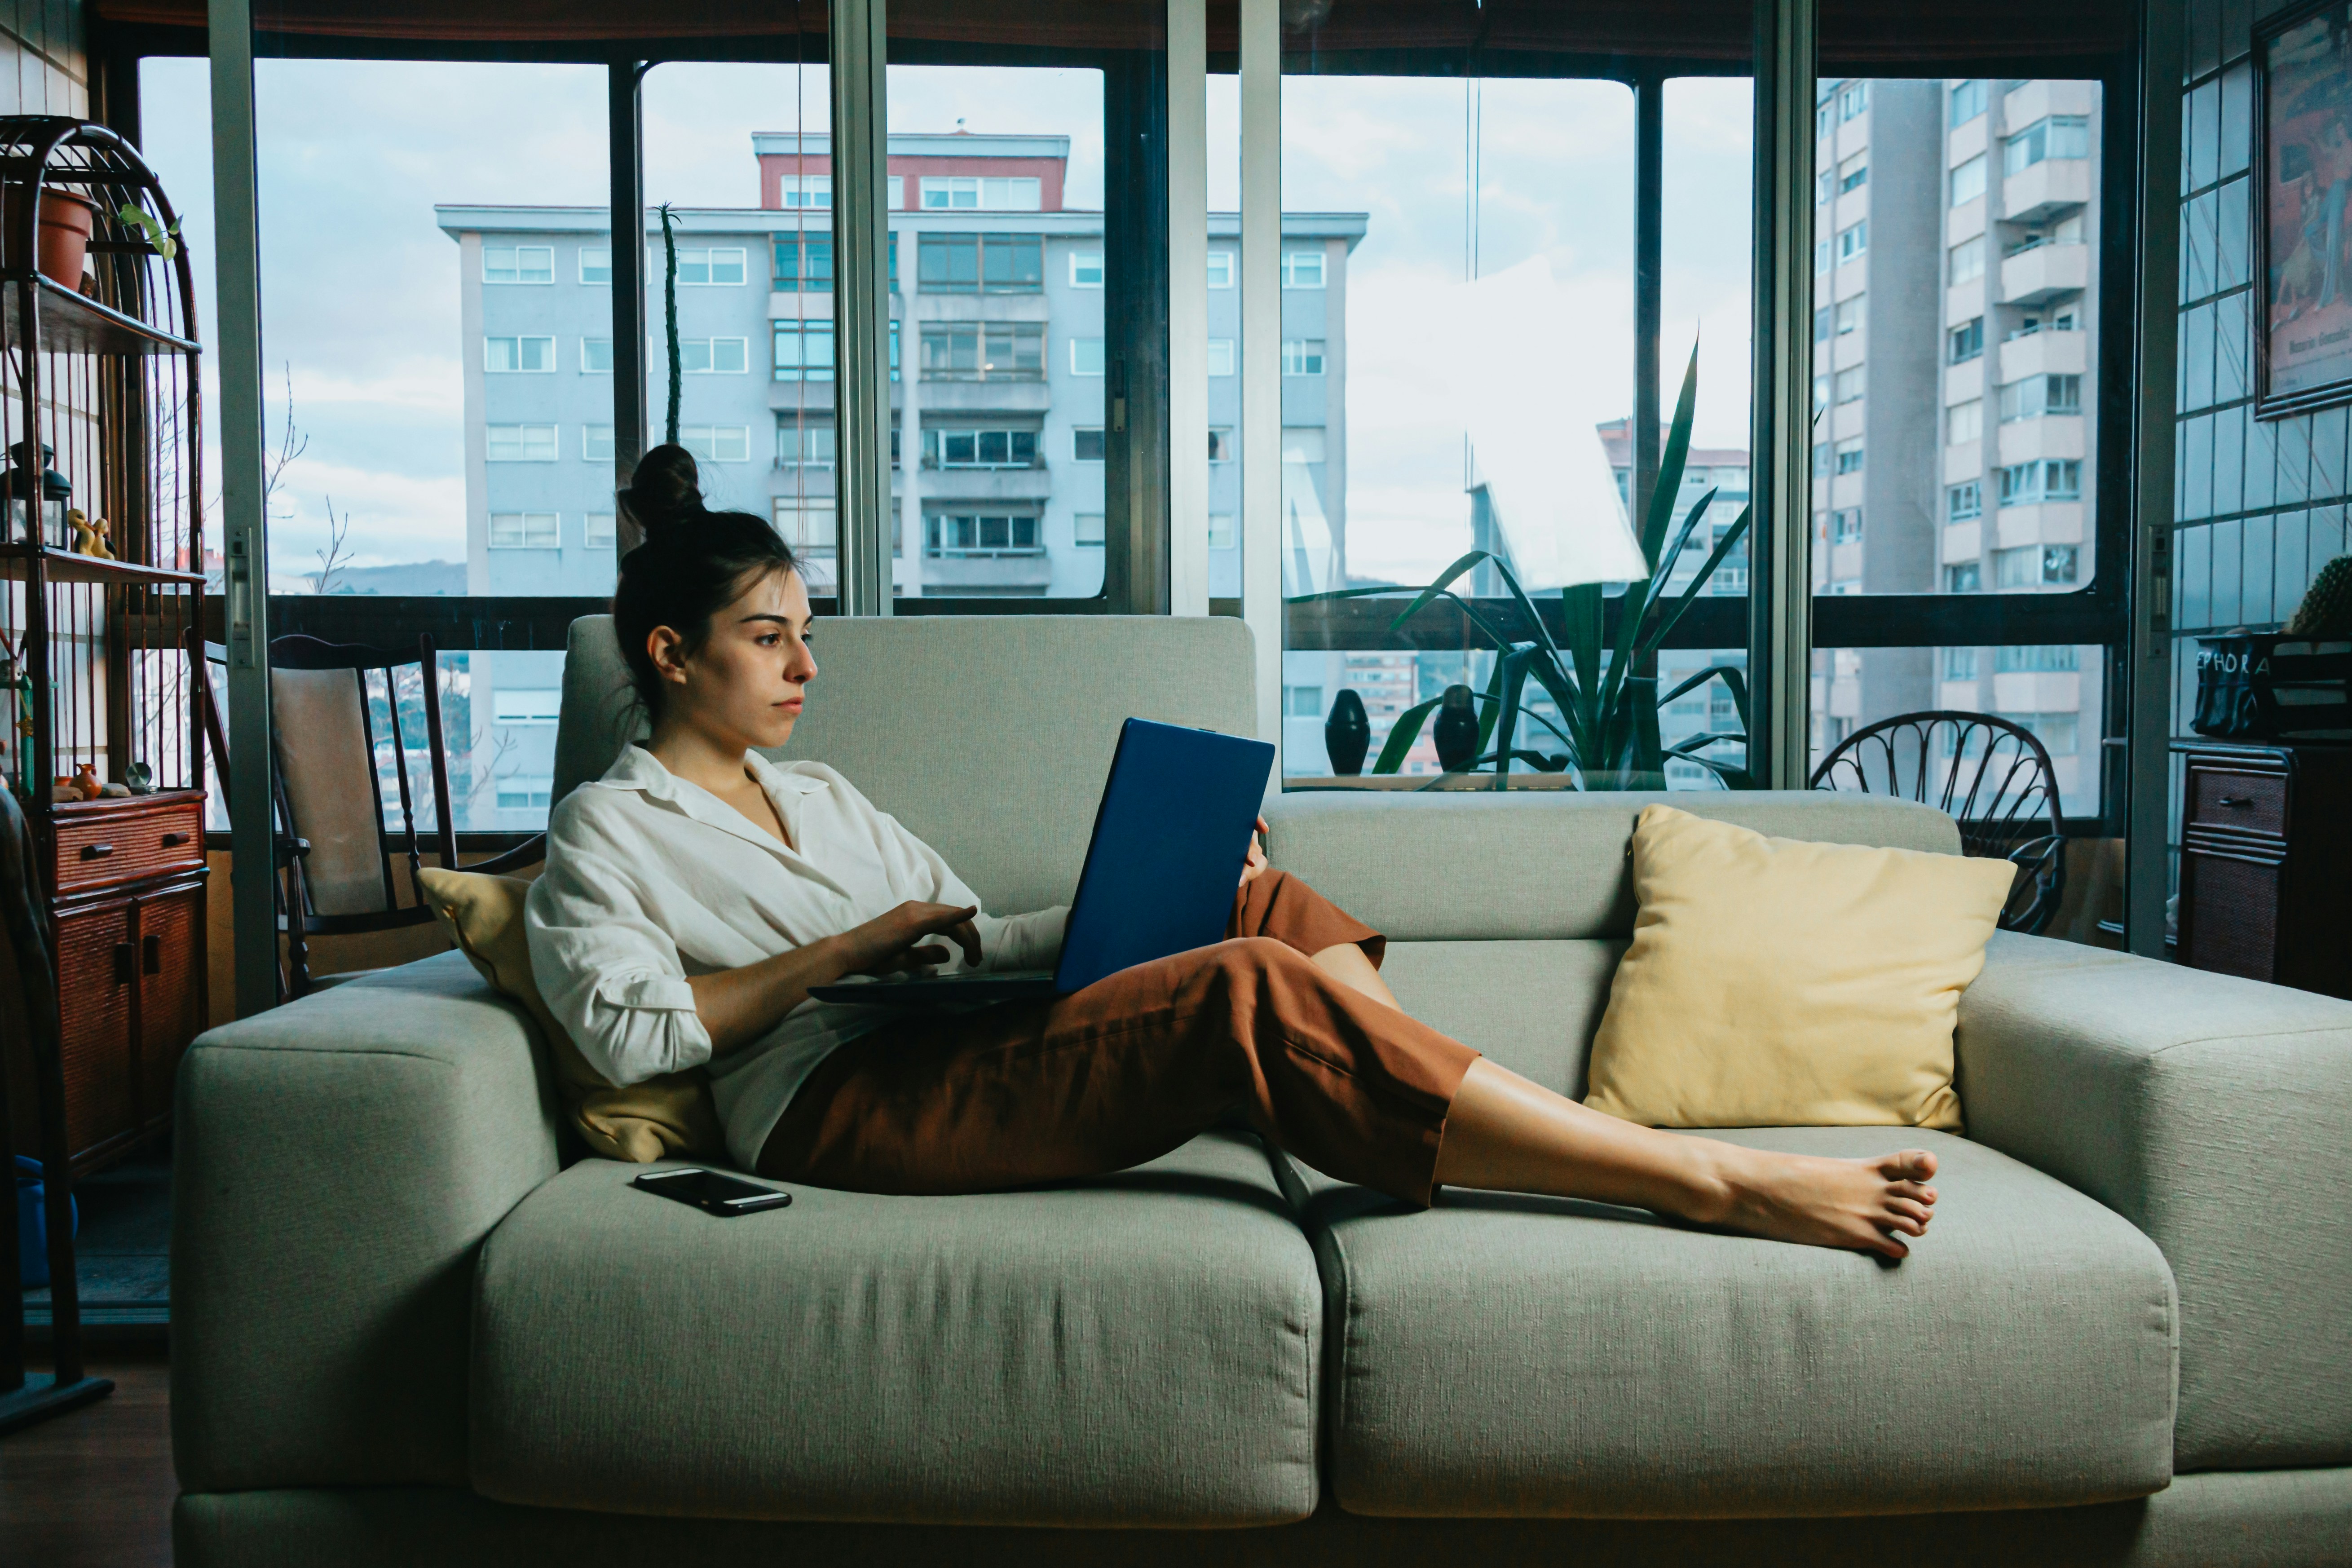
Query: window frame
point(1875, 629)
point(519, 280)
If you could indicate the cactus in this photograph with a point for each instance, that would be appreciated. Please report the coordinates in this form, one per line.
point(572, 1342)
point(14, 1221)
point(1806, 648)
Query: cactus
point(2326, 608)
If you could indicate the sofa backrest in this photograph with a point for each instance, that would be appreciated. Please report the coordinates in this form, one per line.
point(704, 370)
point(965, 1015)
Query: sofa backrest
point(1507, 913)
point(988, 736)
point(1540, 865)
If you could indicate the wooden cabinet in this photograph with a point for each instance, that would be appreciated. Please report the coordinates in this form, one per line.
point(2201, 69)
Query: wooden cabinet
point(2266, 864)
point(128, 923)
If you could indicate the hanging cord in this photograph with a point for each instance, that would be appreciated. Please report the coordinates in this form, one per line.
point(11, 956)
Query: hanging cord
point(1473, 105)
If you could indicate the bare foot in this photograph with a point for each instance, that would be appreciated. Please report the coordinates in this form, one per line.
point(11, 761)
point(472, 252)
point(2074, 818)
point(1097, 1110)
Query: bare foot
point(1863, 1205)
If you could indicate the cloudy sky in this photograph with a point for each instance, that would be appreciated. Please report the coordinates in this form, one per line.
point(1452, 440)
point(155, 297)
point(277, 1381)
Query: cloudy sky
point(360, 287)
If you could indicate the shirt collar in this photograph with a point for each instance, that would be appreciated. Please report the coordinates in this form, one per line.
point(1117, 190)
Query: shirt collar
point(640, 770)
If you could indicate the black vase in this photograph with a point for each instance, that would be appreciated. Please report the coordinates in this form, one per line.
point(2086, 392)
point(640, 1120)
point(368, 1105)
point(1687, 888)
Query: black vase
point(1347, 734)
point(1456, 730)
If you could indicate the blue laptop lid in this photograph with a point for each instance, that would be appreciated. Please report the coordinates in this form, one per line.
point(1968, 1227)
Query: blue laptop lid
point(1170, 839)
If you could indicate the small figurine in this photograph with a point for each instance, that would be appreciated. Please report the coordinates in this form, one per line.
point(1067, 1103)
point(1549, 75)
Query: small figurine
point(90, 538)
point(85, 782)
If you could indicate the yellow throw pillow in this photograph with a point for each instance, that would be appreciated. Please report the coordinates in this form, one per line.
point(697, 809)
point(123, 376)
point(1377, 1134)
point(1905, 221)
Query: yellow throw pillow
point(663, 1117)
point(1774, 983)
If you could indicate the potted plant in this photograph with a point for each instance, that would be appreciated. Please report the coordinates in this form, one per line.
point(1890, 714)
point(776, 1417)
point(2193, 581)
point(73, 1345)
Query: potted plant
point(1608, 697)
point(62, 243)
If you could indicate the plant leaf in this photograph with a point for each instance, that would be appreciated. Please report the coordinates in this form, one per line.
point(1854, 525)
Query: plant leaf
point(1701, 678)
point(1670, 464)
point(1493, 698)
point(1536, 668)
point(1438, 585)
point(1512, 670)
point(1731, 536)
point(1402, 734)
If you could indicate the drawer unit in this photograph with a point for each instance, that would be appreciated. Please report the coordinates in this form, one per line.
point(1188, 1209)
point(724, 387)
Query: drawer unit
point(2266, 863)
point(117, 841)
point(2234, 800)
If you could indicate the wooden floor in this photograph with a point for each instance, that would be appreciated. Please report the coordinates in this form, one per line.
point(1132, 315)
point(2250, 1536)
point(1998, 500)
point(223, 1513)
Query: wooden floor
point(94, 1487)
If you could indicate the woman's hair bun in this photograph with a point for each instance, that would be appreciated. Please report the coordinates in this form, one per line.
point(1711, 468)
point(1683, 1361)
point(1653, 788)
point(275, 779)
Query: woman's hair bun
point(666, 489)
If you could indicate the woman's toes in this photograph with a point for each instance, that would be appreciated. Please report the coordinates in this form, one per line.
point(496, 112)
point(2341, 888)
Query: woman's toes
point(1911, 1190)
point(1909, 1165)
point(1886, 1245)
point(1908, 1224)
point(1914, 1212)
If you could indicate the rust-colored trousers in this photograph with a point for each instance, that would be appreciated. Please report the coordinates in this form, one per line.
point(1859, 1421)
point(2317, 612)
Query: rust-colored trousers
point(1135, 1066)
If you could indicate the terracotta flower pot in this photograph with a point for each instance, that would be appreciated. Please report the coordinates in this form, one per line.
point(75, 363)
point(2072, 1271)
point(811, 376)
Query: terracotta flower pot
point(64, 239)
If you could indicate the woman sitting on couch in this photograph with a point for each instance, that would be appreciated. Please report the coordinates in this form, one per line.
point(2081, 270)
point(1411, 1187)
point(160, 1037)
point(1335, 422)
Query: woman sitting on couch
point(694, 894)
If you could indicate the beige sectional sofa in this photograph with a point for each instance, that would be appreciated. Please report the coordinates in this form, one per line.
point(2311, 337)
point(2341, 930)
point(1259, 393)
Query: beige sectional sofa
point(407, 1330)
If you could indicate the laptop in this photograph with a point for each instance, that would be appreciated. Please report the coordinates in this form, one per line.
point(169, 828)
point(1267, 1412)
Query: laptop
point(1170, 839)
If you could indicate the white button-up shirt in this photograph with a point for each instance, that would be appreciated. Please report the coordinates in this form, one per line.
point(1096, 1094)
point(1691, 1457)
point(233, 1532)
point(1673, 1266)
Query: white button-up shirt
point(651, 878)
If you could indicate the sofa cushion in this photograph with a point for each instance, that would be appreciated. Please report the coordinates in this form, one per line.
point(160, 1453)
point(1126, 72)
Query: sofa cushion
point(1143, 1349)
point(1537, 863)
point(1506, 1356)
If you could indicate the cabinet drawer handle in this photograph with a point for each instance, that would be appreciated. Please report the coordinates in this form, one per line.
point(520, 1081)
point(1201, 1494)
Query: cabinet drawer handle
point(150, 955)
point(96, 851)
point(174, 840)
point(2237, 802)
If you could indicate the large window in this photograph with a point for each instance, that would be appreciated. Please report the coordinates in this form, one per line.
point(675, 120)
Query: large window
point(714, 356)
point(981, 263)
point(965, 193)
point(953, 448)
point(1997, 356)
point(804, 261)
point(985, 351)
point(521, 353)
point(804, 351)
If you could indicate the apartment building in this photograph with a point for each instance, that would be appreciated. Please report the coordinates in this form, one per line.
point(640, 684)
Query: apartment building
point(1953, 444)
point(997, 396)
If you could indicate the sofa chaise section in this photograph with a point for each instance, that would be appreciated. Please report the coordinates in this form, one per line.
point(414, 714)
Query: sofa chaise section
point(1522, 1357)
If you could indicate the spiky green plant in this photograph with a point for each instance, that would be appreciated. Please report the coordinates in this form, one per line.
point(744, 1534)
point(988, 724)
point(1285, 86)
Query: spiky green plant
point(1607, 695)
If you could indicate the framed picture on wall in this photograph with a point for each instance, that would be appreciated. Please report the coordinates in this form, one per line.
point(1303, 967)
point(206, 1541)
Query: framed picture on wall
point(2302, 214)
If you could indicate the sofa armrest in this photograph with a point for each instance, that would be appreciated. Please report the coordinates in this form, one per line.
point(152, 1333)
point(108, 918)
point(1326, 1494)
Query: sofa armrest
point(2211, 1113)
point(337, 1162)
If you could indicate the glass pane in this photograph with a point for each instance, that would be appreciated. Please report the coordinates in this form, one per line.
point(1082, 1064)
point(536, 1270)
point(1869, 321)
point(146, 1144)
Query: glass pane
point(1457, 364)
point(453, 437)
point(989, 307)
point(1002, 199)
point(1955, 445)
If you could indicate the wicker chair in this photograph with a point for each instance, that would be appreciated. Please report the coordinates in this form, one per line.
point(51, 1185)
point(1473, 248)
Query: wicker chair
point(1989, 775)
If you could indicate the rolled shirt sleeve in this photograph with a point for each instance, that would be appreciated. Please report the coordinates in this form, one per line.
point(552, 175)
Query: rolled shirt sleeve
point(1021, 942)
point(612, 978)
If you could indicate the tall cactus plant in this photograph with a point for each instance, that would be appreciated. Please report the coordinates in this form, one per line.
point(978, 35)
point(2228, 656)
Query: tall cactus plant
point(669, 314)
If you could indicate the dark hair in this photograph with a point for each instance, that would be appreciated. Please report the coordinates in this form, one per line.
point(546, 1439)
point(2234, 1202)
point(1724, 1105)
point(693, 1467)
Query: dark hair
point(693, 563)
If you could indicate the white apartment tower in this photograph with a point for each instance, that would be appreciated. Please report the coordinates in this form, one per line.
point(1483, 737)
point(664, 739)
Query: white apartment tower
point(1952, 445)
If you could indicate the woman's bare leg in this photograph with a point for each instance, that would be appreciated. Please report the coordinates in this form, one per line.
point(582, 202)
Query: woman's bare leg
point(1507, 1134)
point(1346, 963)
